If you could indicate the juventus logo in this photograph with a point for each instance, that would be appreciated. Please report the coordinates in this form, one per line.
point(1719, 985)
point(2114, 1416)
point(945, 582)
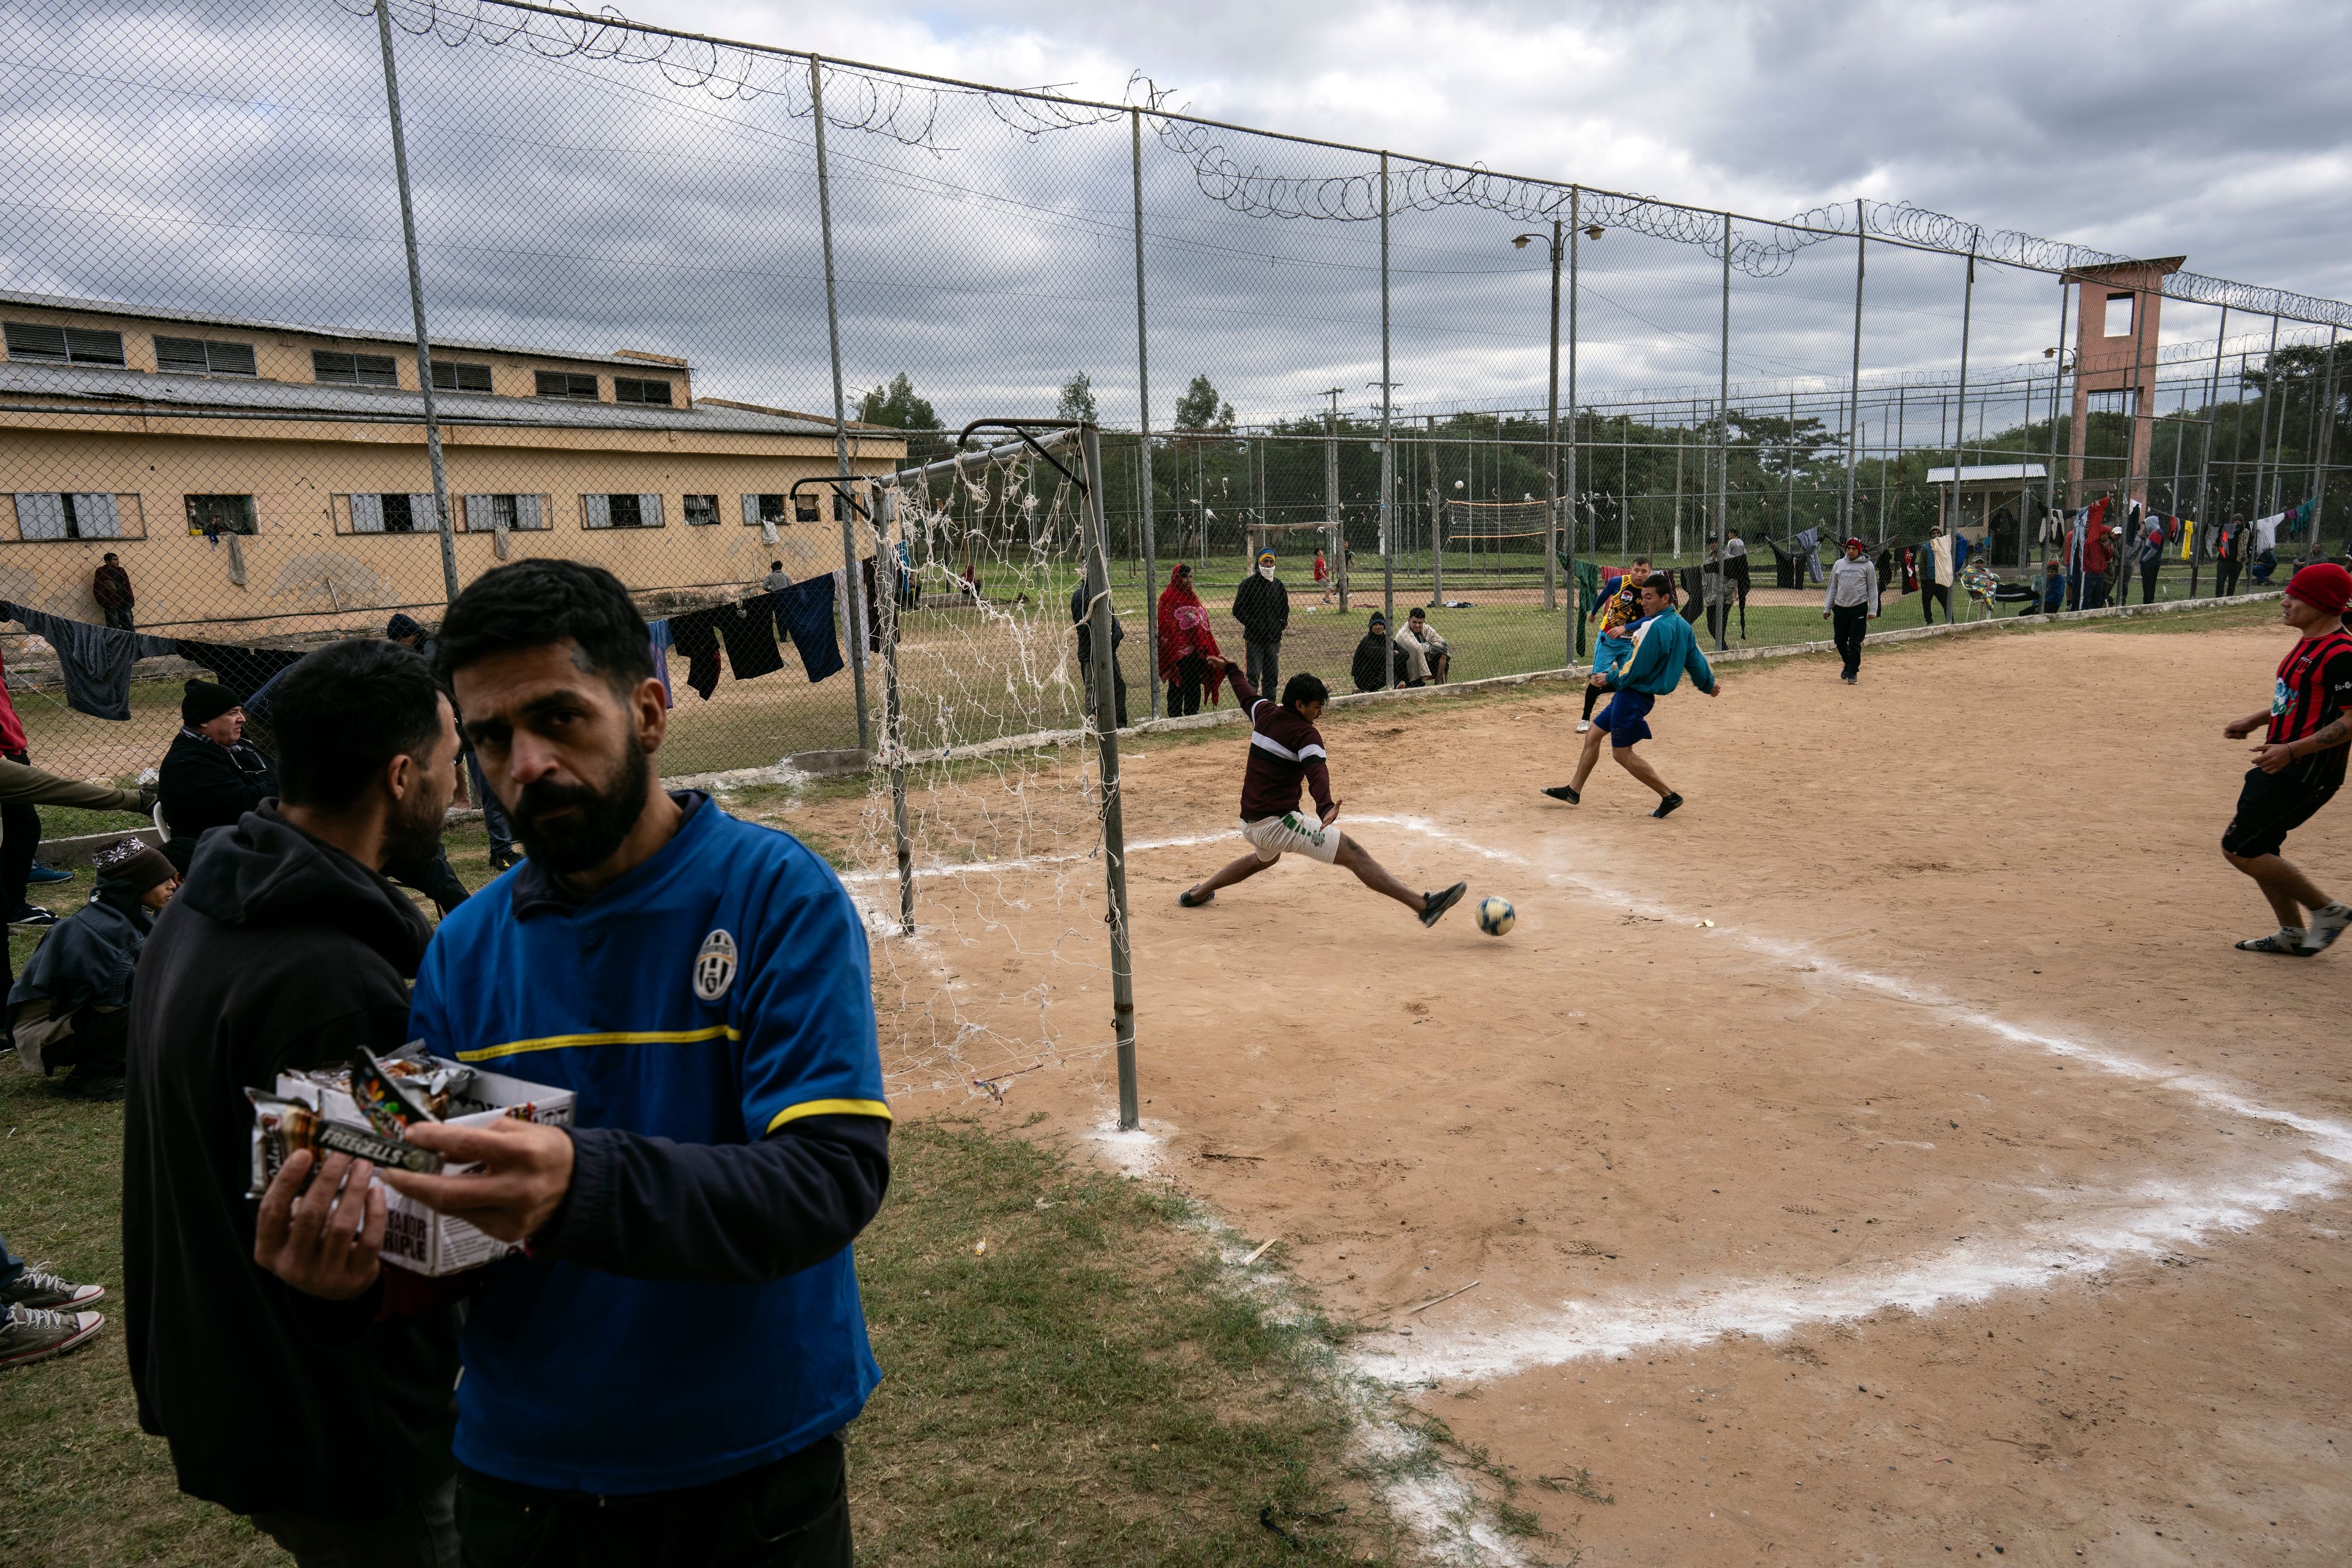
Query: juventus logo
point(714, 966)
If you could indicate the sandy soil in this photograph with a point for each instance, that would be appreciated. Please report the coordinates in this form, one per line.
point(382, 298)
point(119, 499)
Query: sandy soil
point(1958, 1190)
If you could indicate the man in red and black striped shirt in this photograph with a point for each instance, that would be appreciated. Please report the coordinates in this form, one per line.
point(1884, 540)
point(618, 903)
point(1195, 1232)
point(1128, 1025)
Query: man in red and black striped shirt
point(2299, 763)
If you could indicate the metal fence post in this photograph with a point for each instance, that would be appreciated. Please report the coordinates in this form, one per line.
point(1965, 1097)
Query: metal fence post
point(416, 305)
point(1959, 596)
point(2262, 435)
point(2319, 458)
point(1552, 443)
point(852, 613)
point(893, 717)
point(1106, 727)
point(1575, 597)
point(2205, 461)
point(1143, 423)
point(1721, 532)
point(1853, 381)
point(1388, 475)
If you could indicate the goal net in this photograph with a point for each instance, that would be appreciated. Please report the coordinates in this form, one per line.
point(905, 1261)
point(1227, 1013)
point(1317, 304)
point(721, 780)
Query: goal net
point(1482, 521)
point(992, 943)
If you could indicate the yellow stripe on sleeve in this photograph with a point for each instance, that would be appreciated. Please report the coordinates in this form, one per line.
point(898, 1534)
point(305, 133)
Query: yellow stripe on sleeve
point(615, 1038)
point(830, 1108)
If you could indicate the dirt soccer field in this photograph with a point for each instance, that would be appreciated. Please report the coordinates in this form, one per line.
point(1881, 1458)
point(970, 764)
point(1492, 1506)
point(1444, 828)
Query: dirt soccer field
point(1958, 1189)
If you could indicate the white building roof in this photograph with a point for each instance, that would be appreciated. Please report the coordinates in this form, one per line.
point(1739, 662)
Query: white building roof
point(1988, 473)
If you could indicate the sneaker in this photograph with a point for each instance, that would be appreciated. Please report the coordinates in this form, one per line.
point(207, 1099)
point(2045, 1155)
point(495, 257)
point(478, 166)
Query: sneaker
point(505, 859)
point(2326, 925)
point(30, 1334)
point(1567, 793)
point(1666, 806)
point(2287, 941)
point(100, 1086)
point(38, 1288)
point(1193, 900)
point(1583, 726)
point(44, 873)
point(1434, 905)
point(33, 915)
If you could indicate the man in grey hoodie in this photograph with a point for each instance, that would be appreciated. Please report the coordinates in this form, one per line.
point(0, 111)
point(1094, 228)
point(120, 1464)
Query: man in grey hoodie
point(1849, 602)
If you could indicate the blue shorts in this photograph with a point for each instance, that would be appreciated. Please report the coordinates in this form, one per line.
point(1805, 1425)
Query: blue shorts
point(1627, 717)
point(1609, 651)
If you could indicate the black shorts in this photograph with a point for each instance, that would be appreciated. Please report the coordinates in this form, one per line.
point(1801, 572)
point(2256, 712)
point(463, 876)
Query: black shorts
point(2272, 805)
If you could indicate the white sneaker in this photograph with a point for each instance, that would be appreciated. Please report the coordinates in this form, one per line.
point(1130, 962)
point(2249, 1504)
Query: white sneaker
point(29, 1334)
point(2326, 925)
point(1583, 725)
point(2287, 942)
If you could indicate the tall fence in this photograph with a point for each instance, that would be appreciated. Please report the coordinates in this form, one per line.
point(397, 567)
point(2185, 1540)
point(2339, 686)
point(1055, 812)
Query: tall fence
point(315, 312)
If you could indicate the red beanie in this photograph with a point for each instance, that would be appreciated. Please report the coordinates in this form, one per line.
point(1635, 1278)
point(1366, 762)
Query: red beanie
point(2323, 586)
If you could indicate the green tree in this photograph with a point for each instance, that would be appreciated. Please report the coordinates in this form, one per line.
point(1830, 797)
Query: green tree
point(1077, 398)
point(897, 404)
point(1200, 409)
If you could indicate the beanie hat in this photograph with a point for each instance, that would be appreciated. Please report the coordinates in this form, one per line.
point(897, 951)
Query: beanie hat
point(2323, 586)
point(133, 864)
point(204, 702)
point(402, 624)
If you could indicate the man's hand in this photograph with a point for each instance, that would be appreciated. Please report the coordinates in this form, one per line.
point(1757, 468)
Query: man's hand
point(2239, 729)
point(525, 1170)
point(1715, 691)
point(1233, 669)
point(1597, 680)
point(328, 1242)
point(2273, 758)
point(1331, 814)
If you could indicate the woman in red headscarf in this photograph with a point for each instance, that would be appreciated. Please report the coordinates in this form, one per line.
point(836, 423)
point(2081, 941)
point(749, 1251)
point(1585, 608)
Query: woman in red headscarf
point(1189, 655)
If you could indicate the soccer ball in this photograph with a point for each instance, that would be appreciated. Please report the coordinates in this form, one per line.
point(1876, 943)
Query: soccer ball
point(1496, 916)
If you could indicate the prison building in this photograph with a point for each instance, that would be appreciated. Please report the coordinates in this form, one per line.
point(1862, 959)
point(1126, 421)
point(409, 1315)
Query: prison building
point(276, 476)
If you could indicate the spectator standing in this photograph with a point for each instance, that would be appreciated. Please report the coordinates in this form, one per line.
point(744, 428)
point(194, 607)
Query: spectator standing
point(1736, 575)
point(1262, 606)
point(2230, 558)
point(1081, 612)
point(210, 776)
point(701, 983)
point(40, 1314)
point(70, 1007)
point(325, 1417)
point(1934, 588)
point(1322, 576)
point(2098, 558)
point(1850, 603)
point(777, 580)
point(2151, 558)
point(1189, 655)
point(111, 587)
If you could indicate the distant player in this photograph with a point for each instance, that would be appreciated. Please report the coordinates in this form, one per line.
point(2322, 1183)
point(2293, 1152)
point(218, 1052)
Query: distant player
point(1663, 649)
point(2300, 764)
point(1614, 641)
point(1285, 750)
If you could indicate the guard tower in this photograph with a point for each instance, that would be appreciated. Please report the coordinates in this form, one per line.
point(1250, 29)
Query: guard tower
point(2120, 310)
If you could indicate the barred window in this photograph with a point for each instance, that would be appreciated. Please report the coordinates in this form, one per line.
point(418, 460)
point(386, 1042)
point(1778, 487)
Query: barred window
point(599, 512)
point(203, 356)
point(60, 345)
point(701, 511)
point(220, 514)
point(453, 377)
point(354, 370)
point(628, 389)
point(565, 384)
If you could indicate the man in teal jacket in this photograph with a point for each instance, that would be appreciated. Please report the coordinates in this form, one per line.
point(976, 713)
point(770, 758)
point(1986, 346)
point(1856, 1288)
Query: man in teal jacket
point(1663, 650)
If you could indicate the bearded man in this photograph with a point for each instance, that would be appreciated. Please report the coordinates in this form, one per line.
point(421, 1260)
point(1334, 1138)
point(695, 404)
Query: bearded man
point(662, 1376)
point(286, 950)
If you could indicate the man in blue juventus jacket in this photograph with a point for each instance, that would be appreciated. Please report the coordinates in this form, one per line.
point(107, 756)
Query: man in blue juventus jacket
point(662, 1377)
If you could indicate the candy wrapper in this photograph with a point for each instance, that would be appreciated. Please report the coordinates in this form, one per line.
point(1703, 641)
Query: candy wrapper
point(281, 1126)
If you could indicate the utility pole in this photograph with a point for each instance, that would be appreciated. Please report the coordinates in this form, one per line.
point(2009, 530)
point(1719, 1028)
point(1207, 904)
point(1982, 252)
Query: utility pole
point(1331, 494)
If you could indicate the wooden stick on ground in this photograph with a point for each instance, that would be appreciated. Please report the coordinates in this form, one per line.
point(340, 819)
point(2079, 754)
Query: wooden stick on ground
point(1432, 1302)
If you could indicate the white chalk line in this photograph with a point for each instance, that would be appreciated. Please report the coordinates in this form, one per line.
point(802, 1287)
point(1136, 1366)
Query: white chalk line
point(2147, 1219)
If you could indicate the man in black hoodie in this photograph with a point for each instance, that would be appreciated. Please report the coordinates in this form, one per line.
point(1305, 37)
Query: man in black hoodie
point(210, 776)
point(327, 1421)
point(1262, 606)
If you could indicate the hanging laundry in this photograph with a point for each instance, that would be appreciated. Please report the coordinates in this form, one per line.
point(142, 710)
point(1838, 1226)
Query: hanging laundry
point(1809, 552)
point(804, 611)
point(695, 635)
point(873, 606)
point(1691, 588)
point(95, 659)
point(1910, 572)
point(749, 629)
point(2266, 532)
point(244, 671)
point(658, 641)
point(1940, 553)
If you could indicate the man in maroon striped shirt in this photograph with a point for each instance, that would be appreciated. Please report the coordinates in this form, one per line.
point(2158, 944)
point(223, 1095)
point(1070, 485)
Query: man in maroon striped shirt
point(2299, 763)
point(1287, 751)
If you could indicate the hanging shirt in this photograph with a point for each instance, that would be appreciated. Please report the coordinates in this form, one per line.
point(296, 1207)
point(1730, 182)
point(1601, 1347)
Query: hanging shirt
point(804, 612)
point(2266, 532)
point(695, 635)
point(95, 660)
point(748, 626)
point(657, 642)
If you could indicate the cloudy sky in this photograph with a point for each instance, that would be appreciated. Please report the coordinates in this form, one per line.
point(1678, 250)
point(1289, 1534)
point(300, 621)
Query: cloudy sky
point(235, 157)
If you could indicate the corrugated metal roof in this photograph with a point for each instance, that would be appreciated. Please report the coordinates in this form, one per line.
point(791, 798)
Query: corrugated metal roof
point(129, 388)
point(345, 334)
point(1975, 473)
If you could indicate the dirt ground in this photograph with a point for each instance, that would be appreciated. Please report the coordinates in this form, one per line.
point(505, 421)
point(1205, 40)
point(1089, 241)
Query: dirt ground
point(1958, 1190)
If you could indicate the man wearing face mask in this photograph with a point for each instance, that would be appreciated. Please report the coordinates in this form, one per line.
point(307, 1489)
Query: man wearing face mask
point(1262, 606)
point(664, 1375)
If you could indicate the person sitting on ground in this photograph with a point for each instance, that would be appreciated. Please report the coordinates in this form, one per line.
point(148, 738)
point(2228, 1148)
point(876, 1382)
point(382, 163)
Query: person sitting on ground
point(2053, 596)
point(1426, 656)
point(1366, 666)
point(71, 1008)
point(212, 775)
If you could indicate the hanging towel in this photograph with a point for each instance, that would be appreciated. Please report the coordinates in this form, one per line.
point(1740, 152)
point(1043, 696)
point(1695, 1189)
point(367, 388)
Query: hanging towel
point(804, 611)
point(695, 635)
point(244, 671)
point(2266, 532)
point(95, 659)
point(1939, 551)
point(749, 629)
point(1691, 587)
point(657, 640)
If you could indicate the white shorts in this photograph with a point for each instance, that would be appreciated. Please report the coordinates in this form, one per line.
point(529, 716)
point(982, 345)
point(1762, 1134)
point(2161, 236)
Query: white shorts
point(1292, 834)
